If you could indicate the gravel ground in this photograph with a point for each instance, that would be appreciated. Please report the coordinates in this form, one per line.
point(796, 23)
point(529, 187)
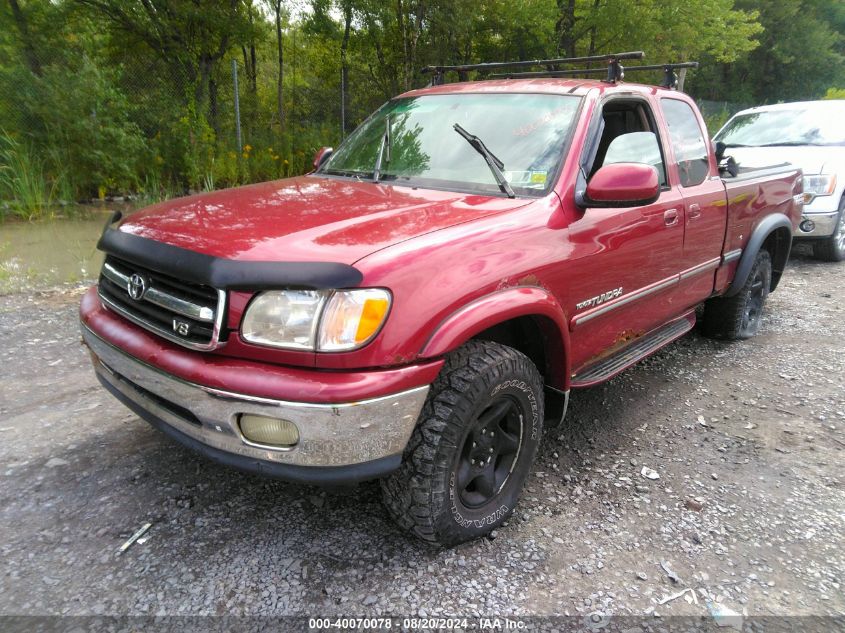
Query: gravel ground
point(748, 510)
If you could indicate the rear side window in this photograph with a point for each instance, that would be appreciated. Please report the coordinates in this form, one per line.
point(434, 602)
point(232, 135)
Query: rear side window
point(688, 142)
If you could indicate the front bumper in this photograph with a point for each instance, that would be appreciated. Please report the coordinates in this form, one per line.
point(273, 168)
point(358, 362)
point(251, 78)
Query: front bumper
point(339, 443)
point(823, 224)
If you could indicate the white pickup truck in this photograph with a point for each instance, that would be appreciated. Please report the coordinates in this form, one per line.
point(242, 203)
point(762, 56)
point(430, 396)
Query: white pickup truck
point(810, 135)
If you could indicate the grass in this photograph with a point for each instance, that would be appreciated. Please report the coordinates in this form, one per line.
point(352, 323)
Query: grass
point(23, 180)
point(208, 182)
point(155, 190)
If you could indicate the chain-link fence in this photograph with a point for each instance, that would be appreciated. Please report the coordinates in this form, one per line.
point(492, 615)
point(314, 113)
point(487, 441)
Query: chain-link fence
point(717, 113)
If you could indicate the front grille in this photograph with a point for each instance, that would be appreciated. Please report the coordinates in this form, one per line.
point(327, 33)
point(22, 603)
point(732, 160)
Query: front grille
point(186, 313)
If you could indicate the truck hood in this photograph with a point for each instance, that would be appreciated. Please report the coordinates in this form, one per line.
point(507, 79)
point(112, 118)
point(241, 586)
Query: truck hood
point(309, 218)
point(813, 160)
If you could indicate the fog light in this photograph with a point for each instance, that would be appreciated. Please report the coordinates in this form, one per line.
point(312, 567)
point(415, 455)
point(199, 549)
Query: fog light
point(807, 226)
point(260, 429)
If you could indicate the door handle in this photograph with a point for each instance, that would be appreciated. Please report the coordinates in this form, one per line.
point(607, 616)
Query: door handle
point(694, 211)
point(670, 217)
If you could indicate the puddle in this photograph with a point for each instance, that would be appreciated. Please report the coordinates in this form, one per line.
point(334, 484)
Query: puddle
point(50, 252)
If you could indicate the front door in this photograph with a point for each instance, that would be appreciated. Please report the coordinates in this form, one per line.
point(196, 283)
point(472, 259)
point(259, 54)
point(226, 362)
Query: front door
point(623, 272)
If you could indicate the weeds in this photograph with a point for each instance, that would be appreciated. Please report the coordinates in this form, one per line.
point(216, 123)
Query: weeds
point(208, 180)
point(155, 190)
point(23, 180)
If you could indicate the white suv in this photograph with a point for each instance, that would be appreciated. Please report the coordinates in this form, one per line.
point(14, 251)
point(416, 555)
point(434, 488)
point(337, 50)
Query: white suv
point(810, 135)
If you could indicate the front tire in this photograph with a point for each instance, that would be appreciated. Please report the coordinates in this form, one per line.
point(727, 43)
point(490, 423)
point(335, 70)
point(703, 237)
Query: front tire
point(832, 249)
point(473, 447)
point(740, 316)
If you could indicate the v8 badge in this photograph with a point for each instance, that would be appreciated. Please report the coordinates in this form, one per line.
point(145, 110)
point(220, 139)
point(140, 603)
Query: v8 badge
point(181, 327)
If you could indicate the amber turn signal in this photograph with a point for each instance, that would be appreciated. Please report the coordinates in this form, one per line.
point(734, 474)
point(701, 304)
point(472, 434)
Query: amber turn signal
point(352, 318)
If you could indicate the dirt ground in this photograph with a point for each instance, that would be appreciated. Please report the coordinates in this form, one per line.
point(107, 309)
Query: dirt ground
point(748, 511)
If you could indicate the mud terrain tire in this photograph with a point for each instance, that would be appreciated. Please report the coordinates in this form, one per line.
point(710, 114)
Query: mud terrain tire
point(739, 317)
point(473, 446)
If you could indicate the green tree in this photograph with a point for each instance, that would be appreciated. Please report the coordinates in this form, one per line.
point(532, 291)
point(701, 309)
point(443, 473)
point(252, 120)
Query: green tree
point(189, 37)
point(667, 30)
point(800, 55)
point(151, 101)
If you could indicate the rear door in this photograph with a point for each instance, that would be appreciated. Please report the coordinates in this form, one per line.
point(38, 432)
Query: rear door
point(692, 171)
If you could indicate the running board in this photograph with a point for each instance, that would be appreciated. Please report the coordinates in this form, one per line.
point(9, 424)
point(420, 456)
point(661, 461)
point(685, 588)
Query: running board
point(635, 352)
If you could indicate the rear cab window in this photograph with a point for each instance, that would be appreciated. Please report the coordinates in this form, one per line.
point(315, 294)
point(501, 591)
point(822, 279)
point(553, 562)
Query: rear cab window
point(688, 142)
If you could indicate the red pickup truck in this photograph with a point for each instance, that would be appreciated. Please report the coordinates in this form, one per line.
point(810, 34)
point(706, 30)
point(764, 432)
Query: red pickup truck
point(419, 307)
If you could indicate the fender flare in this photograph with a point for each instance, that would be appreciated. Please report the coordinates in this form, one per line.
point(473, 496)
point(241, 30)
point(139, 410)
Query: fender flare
point(766, 227)
point(504, 305)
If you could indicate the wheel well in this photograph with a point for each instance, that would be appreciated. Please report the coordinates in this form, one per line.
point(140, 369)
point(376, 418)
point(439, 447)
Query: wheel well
point(778, 243)
point(522, 334)
point(538, 338)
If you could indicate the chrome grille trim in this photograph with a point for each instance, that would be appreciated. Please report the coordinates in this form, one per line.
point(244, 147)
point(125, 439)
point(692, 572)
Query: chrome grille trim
point(161, 299)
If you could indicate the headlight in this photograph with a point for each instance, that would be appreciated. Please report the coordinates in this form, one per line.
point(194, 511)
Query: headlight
point(318, 320)
point(820, 184)
point(284, 319)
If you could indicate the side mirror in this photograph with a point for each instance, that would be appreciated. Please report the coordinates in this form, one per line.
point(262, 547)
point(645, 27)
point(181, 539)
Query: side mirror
point(720, 151)
point(623, 185)
point(727, 164)
point(322, 156)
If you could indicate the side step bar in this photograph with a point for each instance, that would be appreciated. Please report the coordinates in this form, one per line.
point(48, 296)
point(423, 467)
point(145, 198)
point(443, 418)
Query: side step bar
point(633, 353)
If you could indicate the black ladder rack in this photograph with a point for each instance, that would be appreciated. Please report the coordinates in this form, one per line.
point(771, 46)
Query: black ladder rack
point(612, 60)
point(670, 79)
point(615, 70)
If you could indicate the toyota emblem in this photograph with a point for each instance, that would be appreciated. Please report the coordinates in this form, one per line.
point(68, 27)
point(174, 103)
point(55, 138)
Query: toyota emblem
point(136, 286)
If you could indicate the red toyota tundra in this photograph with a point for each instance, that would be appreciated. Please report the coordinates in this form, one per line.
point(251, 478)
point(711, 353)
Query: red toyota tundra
point(421, 305)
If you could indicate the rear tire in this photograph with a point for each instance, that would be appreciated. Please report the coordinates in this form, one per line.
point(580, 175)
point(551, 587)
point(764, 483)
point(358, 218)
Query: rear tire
point(473, 447)
point(739, 317)
point(832, 249)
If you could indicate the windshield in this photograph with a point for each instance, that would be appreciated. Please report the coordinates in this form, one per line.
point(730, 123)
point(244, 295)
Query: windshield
point(525, 132)
point(799, 126)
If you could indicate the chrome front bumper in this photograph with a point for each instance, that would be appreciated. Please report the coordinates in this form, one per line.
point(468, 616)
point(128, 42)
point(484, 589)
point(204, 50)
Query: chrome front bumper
point(336, 437)
point(824, 224)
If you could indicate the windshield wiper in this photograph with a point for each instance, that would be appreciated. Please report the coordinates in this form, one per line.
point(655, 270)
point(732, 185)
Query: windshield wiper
point(496, 166)
point(789, 144)
point(383, 150)
point(778, 144)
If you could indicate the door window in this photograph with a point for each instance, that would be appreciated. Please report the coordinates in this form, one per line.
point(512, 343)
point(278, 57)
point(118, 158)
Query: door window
point(628, 136)
point(636, 147)
point(688, 142)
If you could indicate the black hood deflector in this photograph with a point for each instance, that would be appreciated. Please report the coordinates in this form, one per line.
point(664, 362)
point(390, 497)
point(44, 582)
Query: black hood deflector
point(225, 274)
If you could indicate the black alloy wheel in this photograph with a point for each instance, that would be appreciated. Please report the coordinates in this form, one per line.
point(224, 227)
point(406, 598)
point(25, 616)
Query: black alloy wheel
point(741, 315)
point(756, 296)
point(489, 453)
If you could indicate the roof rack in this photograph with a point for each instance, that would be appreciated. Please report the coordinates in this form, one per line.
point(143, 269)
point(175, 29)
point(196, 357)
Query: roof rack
point(670, 78)
point(612, 60)
point(615, 70)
